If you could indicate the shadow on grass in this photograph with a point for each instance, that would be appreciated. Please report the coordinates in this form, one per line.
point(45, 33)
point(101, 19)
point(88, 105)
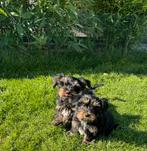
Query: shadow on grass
point(34, 63)
point(124, 132)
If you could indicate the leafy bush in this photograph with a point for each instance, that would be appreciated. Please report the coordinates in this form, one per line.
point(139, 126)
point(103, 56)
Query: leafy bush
point(38, 22)
point(123, 21)
point(118, 24)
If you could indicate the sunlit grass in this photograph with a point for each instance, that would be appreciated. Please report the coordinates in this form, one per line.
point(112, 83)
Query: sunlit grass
point(27, 107)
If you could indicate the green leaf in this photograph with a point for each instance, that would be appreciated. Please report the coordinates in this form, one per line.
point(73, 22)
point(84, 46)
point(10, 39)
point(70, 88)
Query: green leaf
point(137, 1)
point(20, 30)
point(72, 9)
point(14, 14)
point(145, 6)
point(3, 12)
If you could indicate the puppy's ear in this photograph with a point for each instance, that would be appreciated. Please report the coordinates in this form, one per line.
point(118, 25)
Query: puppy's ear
point(54, 83)
point(56, 79)
point(84, 100)
point(102, 104)
point(86, 82)
point(96, 104)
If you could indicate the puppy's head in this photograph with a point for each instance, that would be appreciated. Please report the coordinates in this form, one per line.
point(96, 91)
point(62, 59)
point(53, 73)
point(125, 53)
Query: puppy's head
point(82, 85)
point(86, 114)
point(72, 84)
point(85, 110)
point(90, 107)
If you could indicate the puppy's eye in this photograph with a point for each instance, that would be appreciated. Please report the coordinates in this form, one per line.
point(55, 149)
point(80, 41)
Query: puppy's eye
point(61, 83)
point(77, 89)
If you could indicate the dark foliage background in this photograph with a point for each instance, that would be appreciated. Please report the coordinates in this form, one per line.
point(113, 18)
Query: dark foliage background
point(114, 24)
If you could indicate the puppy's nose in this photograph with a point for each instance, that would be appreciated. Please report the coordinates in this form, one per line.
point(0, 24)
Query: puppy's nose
point(68, 92)
point(87, 115)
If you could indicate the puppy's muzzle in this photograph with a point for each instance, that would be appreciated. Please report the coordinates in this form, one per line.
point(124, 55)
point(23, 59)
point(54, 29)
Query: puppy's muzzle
point(63, 92)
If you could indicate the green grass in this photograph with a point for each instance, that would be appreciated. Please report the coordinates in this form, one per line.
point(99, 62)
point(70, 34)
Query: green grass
point(27, 101)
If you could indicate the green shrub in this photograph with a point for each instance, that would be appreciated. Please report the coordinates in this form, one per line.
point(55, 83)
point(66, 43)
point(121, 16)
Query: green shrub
point(117, 24)
point(38, 23)
point(123, 21)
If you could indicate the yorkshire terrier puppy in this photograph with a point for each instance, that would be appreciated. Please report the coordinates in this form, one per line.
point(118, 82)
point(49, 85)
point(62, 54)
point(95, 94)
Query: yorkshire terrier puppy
point(71, 86)
point(70, 89)
point(91, 118)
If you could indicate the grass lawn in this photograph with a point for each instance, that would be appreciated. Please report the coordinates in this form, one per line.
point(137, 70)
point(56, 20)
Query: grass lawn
point(27, 101)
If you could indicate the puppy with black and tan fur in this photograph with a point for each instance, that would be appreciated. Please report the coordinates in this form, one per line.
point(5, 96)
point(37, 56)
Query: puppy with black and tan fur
point(68, 95)
point(70, 89)
point(91, 118)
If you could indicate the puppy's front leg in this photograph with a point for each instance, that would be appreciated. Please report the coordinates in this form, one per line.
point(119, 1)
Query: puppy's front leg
point(85, 139)
point(87, 136)
point(74, 127)
point(58, 118)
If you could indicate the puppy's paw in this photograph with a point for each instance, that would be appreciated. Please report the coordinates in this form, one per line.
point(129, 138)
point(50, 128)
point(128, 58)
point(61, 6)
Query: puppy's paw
point(56, 123)
point(70, 133)
point(86, 142)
